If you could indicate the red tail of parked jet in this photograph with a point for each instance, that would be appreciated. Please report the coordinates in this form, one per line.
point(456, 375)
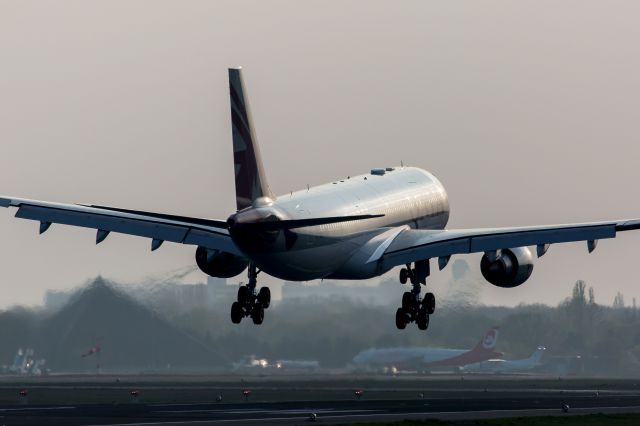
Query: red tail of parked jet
point(488, 343)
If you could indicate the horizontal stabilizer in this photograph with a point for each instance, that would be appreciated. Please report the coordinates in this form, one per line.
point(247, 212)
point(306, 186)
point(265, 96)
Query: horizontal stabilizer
point(197, 221)
point(301, 223)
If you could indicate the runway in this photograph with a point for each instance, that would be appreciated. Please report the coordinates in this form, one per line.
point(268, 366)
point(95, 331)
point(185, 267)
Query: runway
point(191, 400)
point(327, 412)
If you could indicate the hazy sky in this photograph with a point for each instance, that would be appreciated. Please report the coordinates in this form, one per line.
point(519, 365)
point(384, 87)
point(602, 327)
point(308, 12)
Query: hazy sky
point(528, 112)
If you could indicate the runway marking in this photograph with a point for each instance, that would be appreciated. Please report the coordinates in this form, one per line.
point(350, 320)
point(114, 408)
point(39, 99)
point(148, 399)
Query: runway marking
point(257, 411)
point(36, 408)
point(431, 413)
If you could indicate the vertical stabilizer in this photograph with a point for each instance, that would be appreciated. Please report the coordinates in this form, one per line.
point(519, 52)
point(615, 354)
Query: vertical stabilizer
point(537, 355)
point(488, 342)
point(251, 182)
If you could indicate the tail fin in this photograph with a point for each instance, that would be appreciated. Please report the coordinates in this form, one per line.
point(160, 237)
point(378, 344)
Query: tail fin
point(488, 342)
point(537, 355)
point(251, 182)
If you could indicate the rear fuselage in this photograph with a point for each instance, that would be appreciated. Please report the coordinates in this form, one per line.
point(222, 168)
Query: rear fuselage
point(406, 196)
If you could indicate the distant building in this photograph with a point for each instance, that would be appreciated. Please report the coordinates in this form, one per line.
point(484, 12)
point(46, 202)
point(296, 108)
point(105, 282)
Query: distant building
point(379, 294)
point(191, 295)
point(56, 299)
point(221, 292)
point(170, 296)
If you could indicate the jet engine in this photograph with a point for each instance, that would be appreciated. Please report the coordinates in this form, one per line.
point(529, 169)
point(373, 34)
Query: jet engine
point(218, 263)
point(510, 268)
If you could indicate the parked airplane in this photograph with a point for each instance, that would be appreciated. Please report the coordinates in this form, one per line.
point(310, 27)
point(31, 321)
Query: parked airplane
point(350, 229)
point(421, 358)
point(507, 366)
point(297, 364)
point(25, 364)
point(250, 362)
point(92, 350)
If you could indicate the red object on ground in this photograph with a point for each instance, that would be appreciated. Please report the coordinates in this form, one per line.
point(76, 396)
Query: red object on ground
point(23, 392)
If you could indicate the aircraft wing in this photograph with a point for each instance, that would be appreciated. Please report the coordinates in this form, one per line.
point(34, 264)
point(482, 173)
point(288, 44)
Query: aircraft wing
point(413, 245)
point(212, 234)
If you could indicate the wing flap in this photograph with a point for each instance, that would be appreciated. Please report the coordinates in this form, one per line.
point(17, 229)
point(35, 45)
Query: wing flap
point(542, 236)
point(212, 240)
point(177, 229)
point(83, 219)
point(414, 245)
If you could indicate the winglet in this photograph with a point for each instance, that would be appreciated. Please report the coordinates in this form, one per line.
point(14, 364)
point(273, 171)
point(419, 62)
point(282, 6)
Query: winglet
point(251, 181)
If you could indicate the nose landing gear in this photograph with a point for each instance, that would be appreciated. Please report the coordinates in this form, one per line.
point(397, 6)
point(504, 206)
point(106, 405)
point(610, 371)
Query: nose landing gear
point(414, 308)
point(249, 303)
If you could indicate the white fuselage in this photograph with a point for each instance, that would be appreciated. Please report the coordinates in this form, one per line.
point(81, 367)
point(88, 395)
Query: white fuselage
point(404, 358)
point(505, 366)
point(406, 196)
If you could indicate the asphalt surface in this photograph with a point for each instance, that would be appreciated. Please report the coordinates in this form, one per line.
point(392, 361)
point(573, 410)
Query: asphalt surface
point(327, 412)
point(449, 404)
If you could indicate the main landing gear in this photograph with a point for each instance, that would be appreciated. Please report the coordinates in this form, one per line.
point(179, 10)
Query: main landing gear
point(415, 309)
point(250, 303)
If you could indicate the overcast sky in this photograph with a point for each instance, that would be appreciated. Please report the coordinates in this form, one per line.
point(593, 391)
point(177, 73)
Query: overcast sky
point(528, 112)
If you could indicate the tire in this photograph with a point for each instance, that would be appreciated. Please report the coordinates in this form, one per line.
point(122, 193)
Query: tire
point(423, 320)
point(257, 314)
point(404, 275)
point(244, 295)
point(401, 319)
point(429, 303)
point(264, 297)
point(236, 313)
point(408, 301)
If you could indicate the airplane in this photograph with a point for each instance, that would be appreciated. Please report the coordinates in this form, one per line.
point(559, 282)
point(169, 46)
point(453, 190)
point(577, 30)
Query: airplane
point(92, 350)
point(423, 358)
point(251, 362)
point(294, 364)
point(25, 364)
point(353, 228)
point(507, 366)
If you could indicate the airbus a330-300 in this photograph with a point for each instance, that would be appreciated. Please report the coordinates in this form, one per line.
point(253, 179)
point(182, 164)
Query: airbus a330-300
point(351, 229)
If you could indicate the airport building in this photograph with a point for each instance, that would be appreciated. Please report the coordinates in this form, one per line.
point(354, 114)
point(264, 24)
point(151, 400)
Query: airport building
point(220, 292)
point(378, 294)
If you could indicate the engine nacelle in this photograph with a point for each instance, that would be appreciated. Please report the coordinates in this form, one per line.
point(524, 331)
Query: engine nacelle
point(511, 268)
point(219, 264)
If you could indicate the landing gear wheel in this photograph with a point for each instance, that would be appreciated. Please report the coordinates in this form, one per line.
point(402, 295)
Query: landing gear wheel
point(429, 303)
point(264, 297)
point(401, 319)
point(423, 320)
point(257, 314)
point(404, 275)
point(249, 303)
point(236, 313)
point(408, 301)
point(244, 295)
